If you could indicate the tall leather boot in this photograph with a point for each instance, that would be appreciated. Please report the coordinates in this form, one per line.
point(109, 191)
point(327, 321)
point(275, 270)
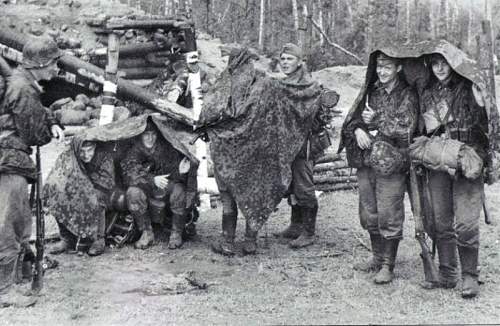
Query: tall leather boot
point(178, 223)
point(306, 237)
point(65, 243)
point(225, 245)
point(250, 243)
point(7, 274)
point(11, 295)
point(144, 224)
point(97, 247)
point(386, 274)
point(448, 265)
point(294, 230)
point(469, 259)
point(375, 263)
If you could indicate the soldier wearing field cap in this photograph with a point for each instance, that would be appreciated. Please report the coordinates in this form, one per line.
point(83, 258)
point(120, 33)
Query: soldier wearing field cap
point(302, 197)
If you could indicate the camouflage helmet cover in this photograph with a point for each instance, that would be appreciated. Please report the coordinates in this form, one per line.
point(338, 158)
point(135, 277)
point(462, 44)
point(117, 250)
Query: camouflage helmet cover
point(40, 52)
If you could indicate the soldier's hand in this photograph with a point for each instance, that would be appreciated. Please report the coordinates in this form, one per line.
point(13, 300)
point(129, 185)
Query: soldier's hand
point(368, 114)
point(363, 139)
point(161, 181)
point(57, 132)
point(478, 95)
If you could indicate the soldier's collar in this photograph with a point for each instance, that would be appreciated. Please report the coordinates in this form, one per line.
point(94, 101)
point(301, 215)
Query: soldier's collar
point(29, 76)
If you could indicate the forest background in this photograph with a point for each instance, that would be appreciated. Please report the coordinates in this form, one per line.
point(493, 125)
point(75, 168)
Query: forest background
point(356, 26)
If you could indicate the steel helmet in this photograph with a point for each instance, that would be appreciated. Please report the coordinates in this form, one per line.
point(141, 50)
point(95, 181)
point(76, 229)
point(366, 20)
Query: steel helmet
point(40, 52)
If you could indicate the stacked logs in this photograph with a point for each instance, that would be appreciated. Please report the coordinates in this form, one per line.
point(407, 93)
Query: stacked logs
point(331, 173)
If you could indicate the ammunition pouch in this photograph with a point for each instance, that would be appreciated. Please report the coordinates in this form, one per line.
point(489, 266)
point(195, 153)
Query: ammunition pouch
point(319, 143)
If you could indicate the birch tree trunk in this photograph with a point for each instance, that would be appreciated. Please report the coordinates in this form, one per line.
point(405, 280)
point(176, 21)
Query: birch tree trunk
point(295, 19)
point(469, 26)
point(320, 22)
point(261, 25)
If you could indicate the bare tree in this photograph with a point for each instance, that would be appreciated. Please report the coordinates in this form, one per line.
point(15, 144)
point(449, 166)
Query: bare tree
point(295, 18)
point(261, 25)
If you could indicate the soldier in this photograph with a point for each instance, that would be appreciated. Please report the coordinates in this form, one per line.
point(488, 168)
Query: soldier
point(97, 164)
point(302, 198)
point(456, 107)
point(390, 112)
point(25, 122)
point(150, 166)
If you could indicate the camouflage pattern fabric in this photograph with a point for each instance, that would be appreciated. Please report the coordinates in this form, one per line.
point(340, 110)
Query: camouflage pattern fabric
point(69, 194)
point(24, 122)
point(417, 74)
point(258, 126)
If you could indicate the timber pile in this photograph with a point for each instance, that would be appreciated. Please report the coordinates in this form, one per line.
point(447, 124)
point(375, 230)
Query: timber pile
point(331, 173)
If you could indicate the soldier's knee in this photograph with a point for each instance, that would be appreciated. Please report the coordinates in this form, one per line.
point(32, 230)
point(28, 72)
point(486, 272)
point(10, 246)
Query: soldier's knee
point(136, 200)
point(468, 235)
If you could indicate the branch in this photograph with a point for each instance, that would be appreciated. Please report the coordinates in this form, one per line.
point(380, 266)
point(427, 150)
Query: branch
point(338, 47)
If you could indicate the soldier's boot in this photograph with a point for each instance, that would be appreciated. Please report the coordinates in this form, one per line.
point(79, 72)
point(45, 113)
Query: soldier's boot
point(64, 244)
point(375, 263)
point(250, 243)
point(98, 246)
point(307, 236)
point(147, 237)
point(225, 246)
point(178, 222)
point(448, 265)
point(386, 273)
point(469, 258)
point(294, 230)
point(7, 275)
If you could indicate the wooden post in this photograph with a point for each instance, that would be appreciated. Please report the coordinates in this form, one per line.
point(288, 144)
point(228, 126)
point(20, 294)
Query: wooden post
point(110, 84)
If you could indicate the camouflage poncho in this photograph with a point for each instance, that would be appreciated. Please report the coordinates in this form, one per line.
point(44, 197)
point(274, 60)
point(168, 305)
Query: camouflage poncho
point(417, 75)
point(261, 125)
point(69, 194)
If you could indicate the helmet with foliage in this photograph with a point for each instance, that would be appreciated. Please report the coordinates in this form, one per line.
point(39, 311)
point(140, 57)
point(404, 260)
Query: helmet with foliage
point(40, 52)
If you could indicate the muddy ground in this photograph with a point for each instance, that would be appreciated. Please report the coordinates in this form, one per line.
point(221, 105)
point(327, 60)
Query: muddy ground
point(316, 285)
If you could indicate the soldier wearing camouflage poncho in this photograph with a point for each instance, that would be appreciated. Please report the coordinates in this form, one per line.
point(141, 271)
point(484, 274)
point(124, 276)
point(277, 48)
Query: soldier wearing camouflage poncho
point(257, 127)
point(452, 108)
point(90, 161)
point(376, 134)
point(302, 191)
point(24, 122)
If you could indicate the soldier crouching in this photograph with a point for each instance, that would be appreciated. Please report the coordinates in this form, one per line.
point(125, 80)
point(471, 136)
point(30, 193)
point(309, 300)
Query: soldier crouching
point(154, 170)
point(98, 166)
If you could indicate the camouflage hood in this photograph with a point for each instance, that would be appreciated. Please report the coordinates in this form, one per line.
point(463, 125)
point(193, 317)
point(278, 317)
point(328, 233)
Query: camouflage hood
point(417, 74)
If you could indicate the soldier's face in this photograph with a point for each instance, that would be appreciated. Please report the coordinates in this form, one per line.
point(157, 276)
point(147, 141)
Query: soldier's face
point(387, 71)
point(441, 68)
point(51, 71)
point(289, 63)
point(148, 138)
point(87, 152)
